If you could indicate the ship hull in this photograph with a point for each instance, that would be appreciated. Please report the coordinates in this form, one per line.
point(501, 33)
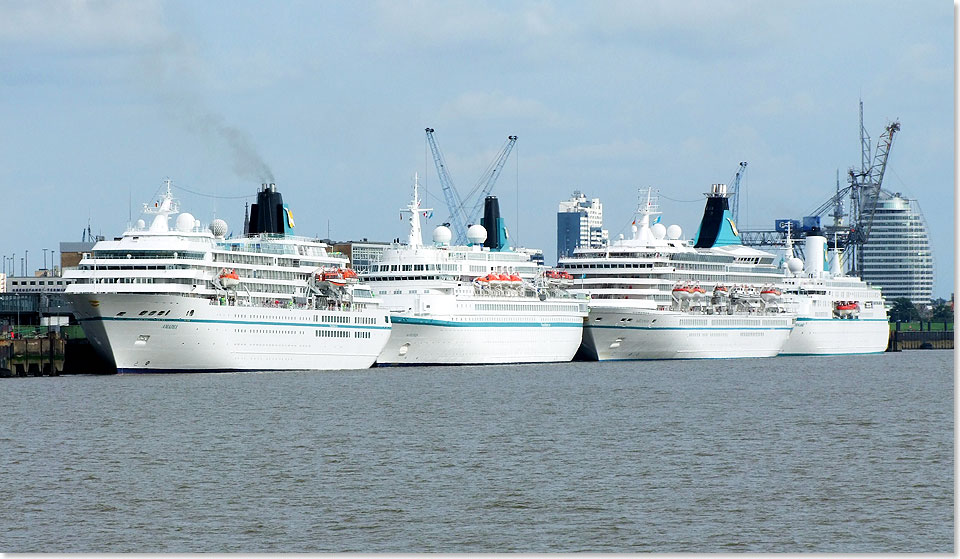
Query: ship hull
point(187, 334)
point(636, 334)
point(836, 336)
point(432, 341)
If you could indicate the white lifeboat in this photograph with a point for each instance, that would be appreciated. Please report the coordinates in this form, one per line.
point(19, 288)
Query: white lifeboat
point(846, 309)
point(769, 294)
point(229, 278)
point(339, 276)
point(681, 292)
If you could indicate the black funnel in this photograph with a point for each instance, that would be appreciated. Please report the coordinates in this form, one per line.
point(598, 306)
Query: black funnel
point(266, 216)
point(493, 223)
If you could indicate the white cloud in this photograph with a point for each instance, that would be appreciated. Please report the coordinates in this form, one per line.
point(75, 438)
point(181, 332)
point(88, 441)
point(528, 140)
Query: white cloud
point(481, 105)
point(81, 24)
point(631, 149)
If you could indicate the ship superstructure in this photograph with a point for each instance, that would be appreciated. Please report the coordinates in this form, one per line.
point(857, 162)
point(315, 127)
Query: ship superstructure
point(187, 298)
point(657, 296)
point(836, 313)
point(476, 303)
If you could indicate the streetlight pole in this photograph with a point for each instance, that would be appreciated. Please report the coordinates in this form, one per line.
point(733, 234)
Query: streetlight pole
point(45, 259)
point(26, 261)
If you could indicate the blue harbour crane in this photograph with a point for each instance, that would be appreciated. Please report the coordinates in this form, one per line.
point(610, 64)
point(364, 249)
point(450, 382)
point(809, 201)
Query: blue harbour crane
point(460, 218)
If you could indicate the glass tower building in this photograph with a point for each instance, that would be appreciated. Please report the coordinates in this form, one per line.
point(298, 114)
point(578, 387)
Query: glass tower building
point(897, 257)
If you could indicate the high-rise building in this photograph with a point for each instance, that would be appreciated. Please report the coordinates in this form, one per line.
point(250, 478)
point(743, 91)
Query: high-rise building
point(897, 257)
point(580, 224)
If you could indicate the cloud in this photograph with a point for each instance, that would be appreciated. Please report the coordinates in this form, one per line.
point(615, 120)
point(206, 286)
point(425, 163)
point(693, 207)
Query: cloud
point(800, 102)
point(81, 24)
point(482, 105)
point(631, 149)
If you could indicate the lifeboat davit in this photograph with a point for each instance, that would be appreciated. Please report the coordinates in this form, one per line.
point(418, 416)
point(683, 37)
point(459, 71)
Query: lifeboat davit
point(515, 278)
point(229, 278)
point(681, 292)
point(720, 290)
point(697, 291)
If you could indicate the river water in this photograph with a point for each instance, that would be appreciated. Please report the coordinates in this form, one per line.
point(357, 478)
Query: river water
point(798, 454)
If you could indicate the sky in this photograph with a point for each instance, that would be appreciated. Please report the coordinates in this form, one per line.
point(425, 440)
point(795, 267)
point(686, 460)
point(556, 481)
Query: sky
point(104, 100)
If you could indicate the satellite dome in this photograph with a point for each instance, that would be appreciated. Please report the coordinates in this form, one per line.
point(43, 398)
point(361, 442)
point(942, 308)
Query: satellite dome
point(442, 235)
point(674, 232)
point(794, 264)
point(185, 222)
point(141, 224)
point(476, 234)
point(218, 228)
point(659, 230)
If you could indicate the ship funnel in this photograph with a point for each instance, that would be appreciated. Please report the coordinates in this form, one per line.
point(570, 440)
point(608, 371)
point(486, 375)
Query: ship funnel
point(269, 215)
point(717, 227)
point(814, 255)
point(493, 223)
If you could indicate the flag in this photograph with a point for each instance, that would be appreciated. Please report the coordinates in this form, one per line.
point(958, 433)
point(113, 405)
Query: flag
point(658, 219)
point(634, 222)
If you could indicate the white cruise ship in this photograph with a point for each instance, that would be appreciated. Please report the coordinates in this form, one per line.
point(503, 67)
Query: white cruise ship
point(184, 298)
point(656, 296)
point(474, 304)
point(836, 314)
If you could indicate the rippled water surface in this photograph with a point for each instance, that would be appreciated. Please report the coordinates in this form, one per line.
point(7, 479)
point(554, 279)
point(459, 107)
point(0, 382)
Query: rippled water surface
point(830, 454)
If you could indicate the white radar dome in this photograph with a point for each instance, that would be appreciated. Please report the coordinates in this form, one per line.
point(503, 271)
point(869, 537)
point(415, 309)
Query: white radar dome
point(442, 235)
point(659, 230)
point(794, 264)
point(218, 228)
point(476, 234)
point(185, 222)
point(141, 224)
point(674, 232)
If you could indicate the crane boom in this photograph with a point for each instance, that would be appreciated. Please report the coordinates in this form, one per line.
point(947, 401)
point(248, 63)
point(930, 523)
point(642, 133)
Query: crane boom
point(875, 176)
point(736, 191)
point(488, 179)
point(457, 221)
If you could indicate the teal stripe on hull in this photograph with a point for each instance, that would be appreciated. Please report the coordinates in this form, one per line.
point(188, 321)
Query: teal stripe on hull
point(844, 320)
point(241, 322)
point(435, 322)
point(691, 327)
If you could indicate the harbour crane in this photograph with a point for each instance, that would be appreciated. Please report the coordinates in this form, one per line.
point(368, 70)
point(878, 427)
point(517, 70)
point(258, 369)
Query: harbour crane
point(457, 221)
point(460, 218)
point(741, 171)
point(863, 191)
point(488, 179)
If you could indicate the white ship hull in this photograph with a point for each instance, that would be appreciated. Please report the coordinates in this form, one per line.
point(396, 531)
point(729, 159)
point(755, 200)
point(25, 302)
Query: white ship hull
point(425, 341)
point(836, 336)
point(195, 336)
point(613, 333)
